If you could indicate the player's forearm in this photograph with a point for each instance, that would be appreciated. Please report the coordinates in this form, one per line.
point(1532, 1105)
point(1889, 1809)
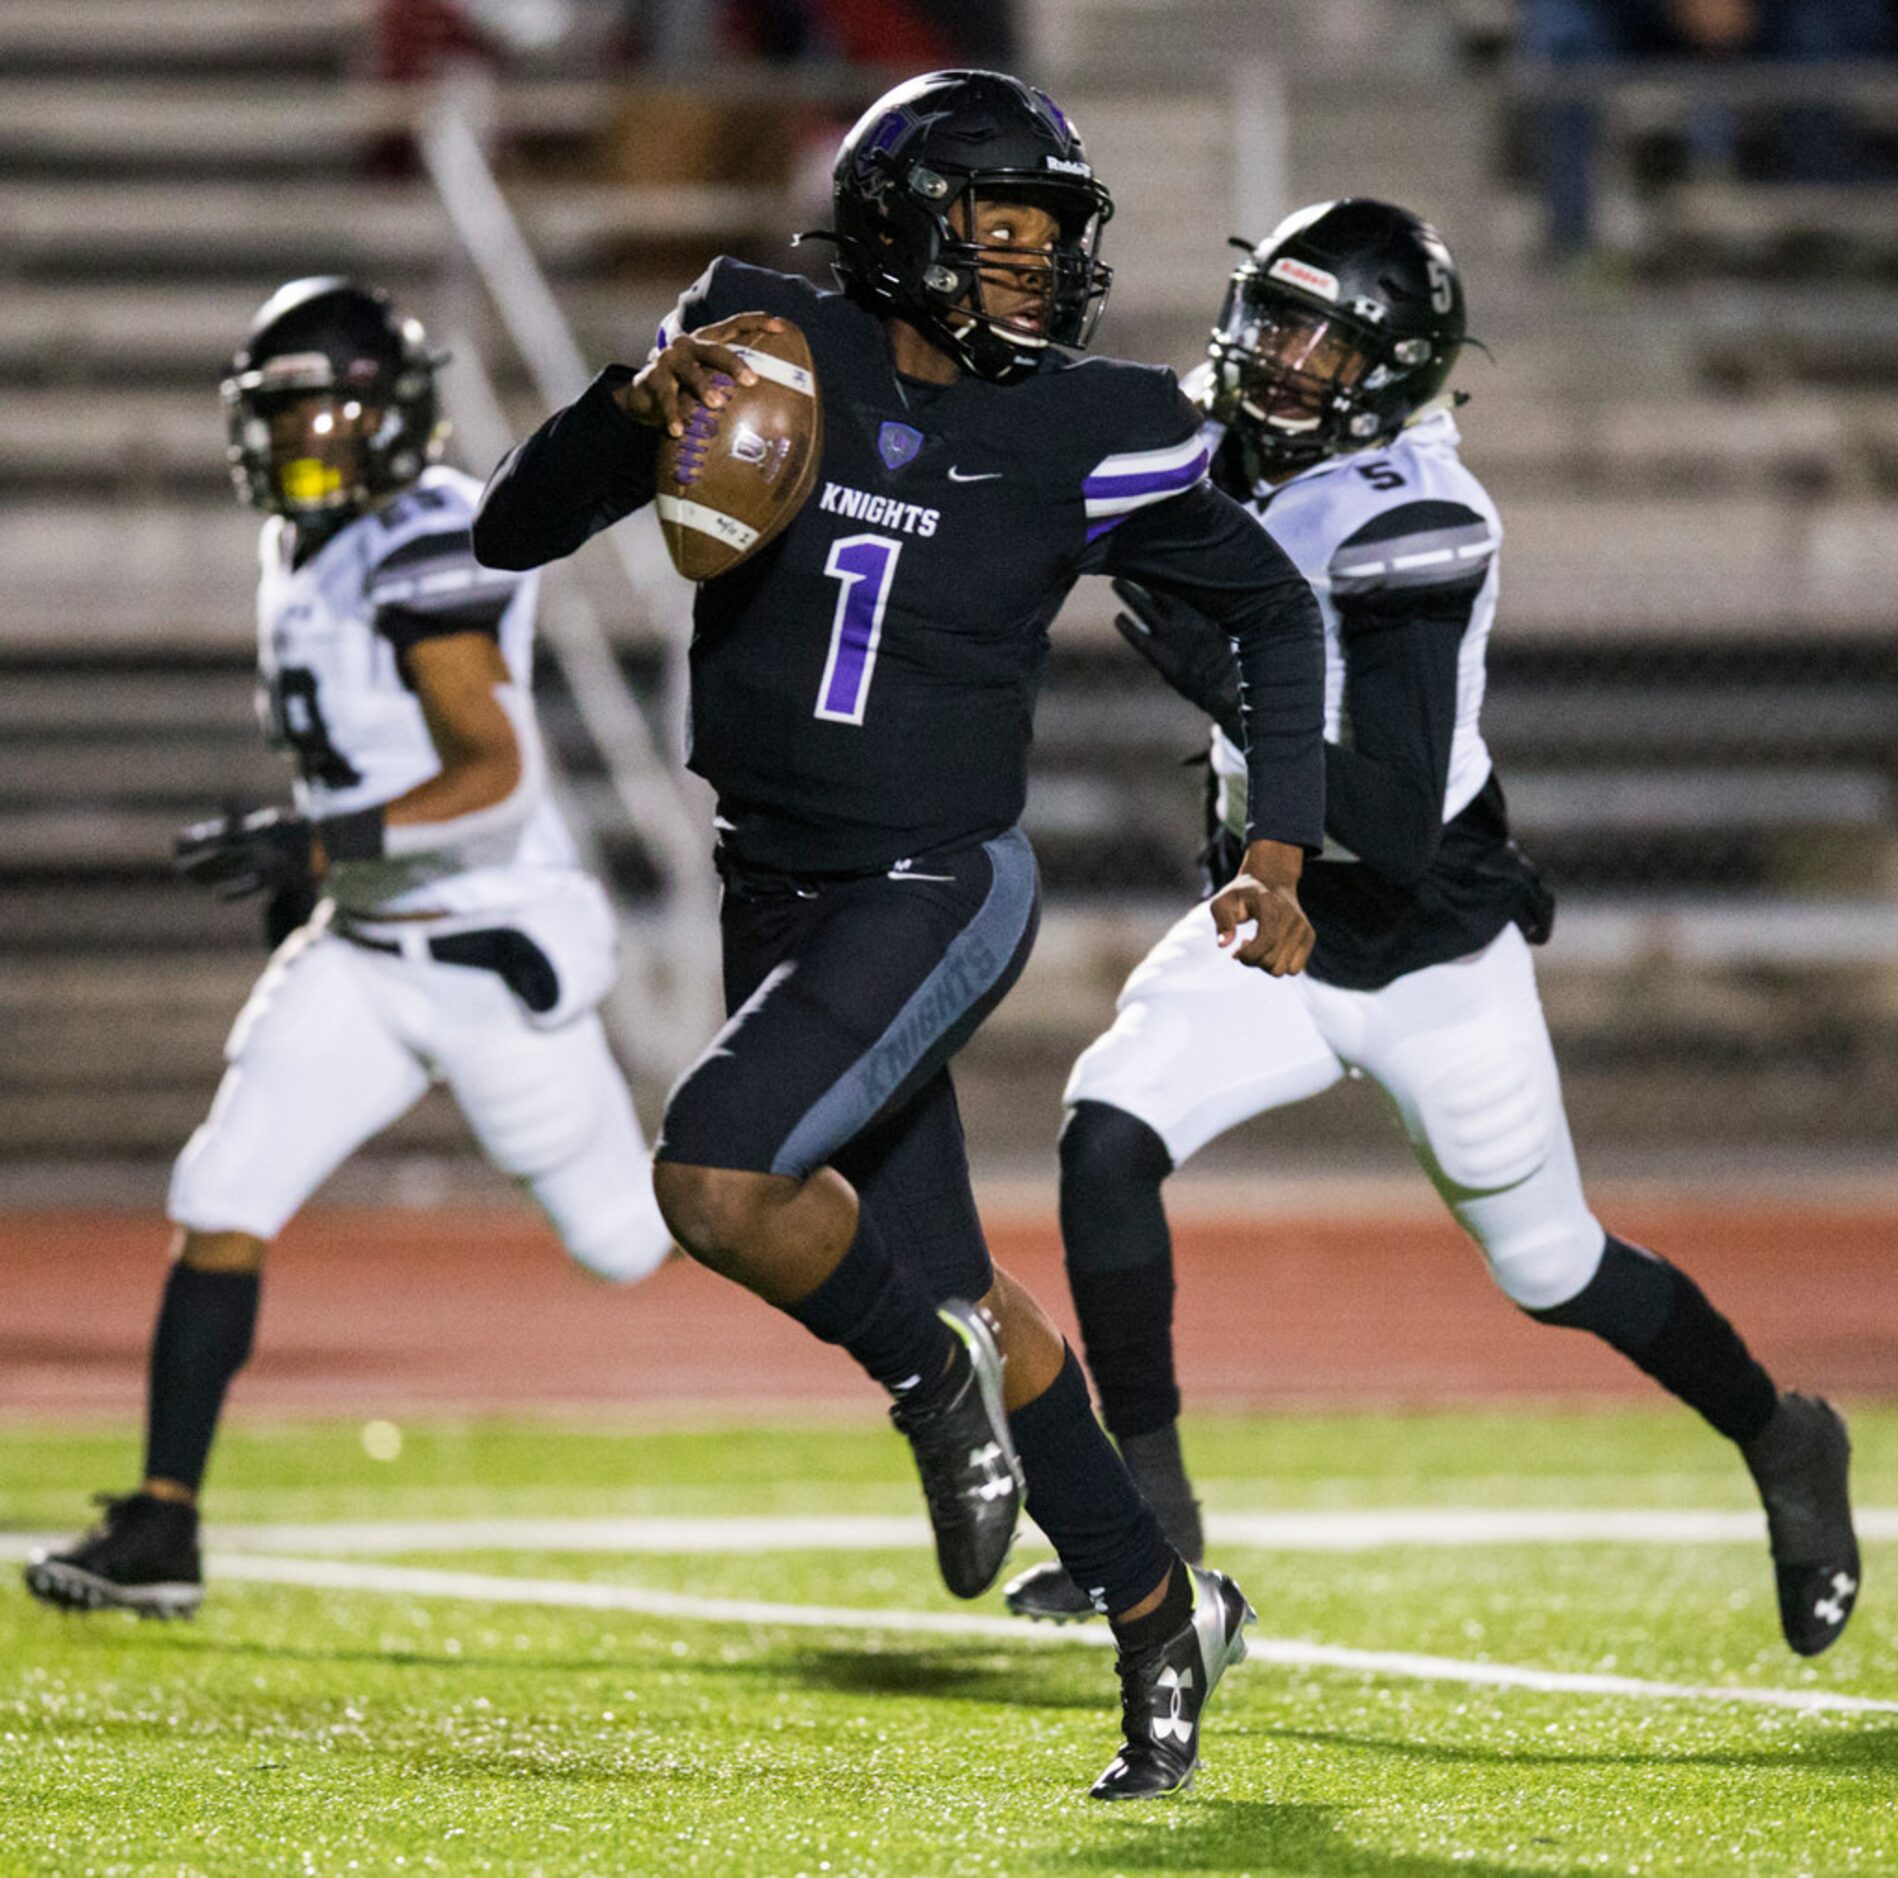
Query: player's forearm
point(1389, 817)
point(1384, 793)
point(476, 802)
point(473, 782)
point(582, 470)
point(1204, 549)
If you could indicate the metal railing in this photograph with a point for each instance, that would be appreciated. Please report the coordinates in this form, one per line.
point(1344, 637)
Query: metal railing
point(668, 1001)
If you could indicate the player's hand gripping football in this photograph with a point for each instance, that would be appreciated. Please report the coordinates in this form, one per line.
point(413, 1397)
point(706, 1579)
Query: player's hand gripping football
point(688, 372)
point(1265, 893)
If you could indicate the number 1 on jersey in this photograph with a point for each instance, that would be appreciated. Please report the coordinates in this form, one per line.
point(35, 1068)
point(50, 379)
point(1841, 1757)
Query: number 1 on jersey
point(865, 564)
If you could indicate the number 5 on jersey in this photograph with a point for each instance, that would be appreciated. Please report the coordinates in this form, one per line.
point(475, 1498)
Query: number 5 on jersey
point(865, 565)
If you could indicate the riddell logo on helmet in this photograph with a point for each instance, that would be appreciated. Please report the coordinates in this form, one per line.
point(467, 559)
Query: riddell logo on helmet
point(1302, 274)
point(1066, 167)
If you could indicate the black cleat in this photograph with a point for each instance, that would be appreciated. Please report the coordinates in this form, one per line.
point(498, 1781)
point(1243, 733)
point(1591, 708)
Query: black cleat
point(142, 1556)
point(1799, 1463)
point(972, 1479)
point(1047, 1594)
point(1164, 1692)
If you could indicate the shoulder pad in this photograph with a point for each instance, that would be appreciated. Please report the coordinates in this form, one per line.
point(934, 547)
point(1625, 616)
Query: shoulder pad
point(1150, 440)
point(730, 287)
point(1413, 545)
point(428, 564)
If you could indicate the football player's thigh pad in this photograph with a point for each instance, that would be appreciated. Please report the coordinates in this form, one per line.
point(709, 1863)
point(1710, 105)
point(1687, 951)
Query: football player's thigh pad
point(599, 1198)
point(315, 1069)
point(1463, 1051)
point(1200, 1043)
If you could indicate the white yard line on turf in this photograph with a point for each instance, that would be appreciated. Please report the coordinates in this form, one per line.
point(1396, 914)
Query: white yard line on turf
point(1268, 1532)
point(1291, 1653)
point(1286, 1652)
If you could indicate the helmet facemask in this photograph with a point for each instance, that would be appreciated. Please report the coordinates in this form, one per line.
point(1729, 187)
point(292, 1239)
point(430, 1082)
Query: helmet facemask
point(996, 304)
point(1296, 380)
point(317, 443)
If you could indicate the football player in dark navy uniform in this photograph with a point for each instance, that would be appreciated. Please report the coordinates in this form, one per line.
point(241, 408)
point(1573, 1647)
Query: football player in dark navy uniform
point(861, 702)
point(1326, 386)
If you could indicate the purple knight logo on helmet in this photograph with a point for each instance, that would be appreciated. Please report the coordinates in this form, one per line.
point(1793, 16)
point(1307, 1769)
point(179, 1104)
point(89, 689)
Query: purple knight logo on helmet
point(897, 445)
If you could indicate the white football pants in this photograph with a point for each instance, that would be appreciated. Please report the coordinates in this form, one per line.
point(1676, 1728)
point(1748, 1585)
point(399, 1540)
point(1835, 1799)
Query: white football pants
point(337, 1041)
point(1201, 1043)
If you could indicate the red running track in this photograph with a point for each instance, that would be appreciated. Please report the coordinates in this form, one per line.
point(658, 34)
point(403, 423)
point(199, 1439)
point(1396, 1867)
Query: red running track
point(380, 1312)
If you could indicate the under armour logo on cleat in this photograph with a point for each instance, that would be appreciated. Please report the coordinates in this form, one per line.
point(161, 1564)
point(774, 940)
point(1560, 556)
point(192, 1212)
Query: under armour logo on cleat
point(997, 1480)
point(1173, 1725)
point(1834, 1608)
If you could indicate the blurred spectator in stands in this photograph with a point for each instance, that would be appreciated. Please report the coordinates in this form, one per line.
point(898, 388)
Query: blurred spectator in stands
point(916, 35)
point(1813, 144)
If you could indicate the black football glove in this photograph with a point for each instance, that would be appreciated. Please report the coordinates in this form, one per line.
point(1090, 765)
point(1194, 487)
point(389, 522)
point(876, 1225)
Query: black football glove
point(242, 853)
point(1186, 649)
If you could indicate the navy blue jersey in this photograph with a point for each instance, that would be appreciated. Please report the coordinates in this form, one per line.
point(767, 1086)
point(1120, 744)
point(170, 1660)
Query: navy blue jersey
point(862, 688)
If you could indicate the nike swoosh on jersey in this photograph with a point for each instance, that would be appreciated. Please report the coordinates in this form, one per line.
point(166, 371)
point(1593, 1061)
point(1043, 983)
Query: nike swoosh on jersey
point(903, 873)
point(980, 476)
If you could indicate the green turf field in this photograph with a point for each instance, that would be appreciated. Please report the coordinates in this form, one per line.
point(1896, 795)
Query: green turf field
point(378, 1725)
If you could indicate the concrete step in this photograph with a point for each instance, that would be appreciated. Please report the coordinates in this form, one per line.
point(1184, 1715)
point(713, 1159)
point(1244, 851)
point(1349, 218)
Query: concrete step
point(64, 37)
point(86, 1123)
point(215, 701)
point(177, 335)
point(147, 772)
point(395, 232)
point(101, 986)
point(294, 128)
point(154, 912)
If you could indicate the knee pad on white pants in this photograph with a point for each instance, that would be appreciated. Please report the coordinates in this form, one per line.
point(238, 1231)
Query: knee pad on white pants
point(551, 1110)
point(1463, 1052)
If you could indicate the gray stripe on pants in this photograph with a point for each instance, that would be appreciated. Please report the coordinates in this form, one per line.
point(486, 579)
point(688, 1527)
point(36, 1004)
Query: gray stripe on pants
point(977, 957)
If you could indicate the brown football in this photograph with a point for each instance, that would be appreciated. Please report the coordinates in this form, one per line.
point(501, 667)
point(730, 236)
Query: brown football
point(740, 473)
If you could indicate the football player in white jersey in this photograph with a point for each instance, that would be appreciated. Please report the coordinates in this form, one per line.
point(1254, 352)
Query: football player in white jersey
point(451, 935)
point(1326, 390)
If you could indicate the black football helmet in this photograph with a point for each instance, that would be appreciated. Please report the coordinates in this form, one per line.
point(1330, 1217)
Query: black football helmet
point(907, 181)
point(330, 402)
point(1337, 329)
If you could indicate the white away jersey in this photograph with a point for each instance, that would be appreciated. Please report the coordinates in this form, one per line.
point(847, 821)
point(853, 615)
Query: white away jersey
point(331, 635)
point(1406, 517)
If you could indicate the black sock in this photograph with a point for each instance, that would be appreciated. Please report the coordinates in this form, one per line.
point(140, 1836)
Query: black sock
point(878, 1311)
point(1120, 1264)
point(1166, 1617)
point(1081, 1495)
point(1159, 1471)
point(1658, 1318)
point(205, 1326)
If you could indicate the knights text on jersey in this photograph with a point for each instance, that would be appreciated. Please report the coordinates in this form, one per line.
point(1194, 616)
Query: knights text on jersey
point(334, 632)
point(862, 688)
point(1402, 546)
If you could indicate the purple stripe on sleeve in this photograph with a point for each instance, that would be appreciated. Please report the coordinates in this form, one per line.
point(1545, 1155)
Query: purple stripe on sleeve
point(1145, 484)
point(663, 338)
point(1101, 528)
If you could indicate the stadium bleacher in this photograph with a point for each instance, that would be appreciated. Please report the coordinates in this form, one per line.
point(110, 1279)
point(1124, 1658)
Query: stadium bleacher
point(1698, 466)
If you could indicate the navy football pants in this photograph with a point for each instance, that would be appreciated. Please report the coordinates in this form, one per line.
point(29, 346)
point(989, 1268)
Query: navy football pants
point(847, 999)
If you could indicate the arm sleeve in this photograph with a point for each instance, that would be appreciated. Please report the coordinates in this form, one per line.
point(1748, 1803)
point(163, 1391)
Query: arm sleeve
point(1405, 587)
point(432, 587)
point(1201, 547)
point(1384, 792)
point(580, 472)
